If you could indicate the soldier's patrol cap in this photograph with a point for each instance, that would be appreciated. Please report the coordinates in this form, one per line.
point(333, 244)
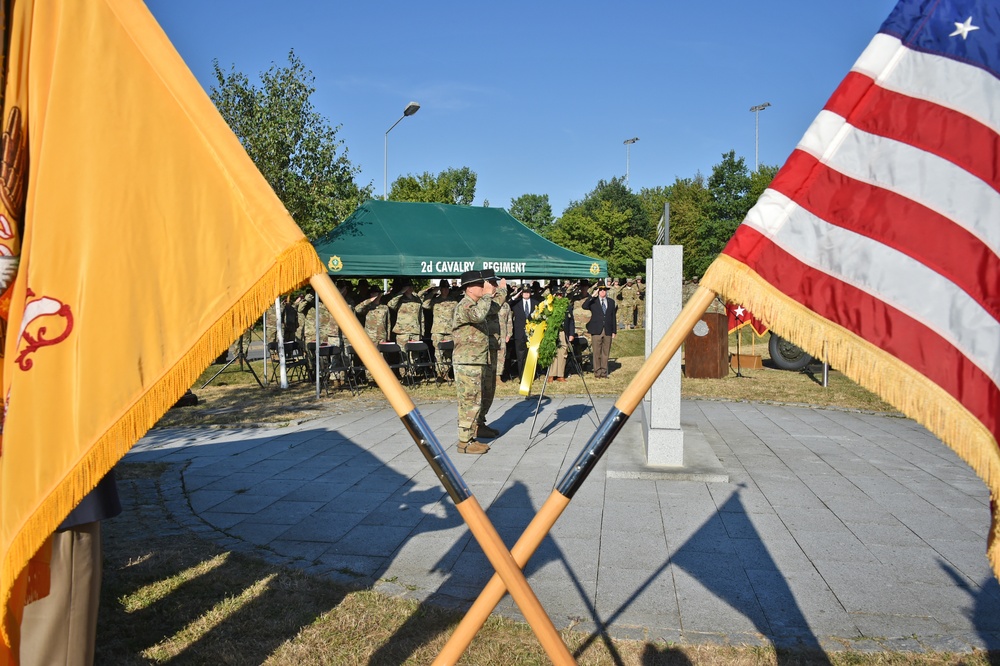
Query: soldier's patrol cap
point(488, 274)
point(471, 277)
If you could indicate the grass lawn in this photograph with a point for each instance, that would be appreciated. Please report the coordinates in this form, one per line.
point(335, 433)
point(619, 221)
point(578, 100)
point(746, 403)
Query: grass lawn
point(170, 597)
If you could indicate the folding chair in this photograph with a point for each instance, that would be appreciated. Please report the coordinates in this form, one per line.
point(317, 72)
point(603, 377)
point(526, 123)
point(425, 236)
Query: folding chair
point(444, 350)
point(296, 364)
point(420, 359)
point(331, 365)
point(359, 373)
point(397, 361)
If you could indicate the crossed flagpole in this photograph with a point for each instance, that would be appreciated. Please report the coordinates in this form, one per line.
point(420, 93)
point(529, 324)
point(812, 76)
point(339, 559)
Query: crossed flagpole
point(508, 565)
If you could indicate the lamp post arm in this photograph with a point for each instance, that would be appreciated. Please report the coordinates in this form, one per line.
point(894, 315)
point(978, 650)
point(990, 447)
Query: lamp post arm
point(385, 161)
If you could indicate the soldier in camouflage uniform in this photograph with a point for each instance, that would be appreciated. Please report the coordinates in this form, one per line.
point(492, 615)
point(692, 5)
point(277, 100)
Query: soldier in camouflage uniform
point(687, 291)
point(640, 287)
point(375, 315)
point(442, 305)
point(493, 329)
point(629, 299)
point(289, 320)
point(506, 335)
point(614, 289)
point(408, 315)
point(471, 357)
point(329, 331)
point(360, 293)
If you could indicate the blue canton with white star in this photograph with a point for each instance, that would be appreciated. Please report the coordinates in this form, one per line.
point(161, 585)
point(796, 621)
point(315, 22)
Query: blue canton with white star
point(965, 30)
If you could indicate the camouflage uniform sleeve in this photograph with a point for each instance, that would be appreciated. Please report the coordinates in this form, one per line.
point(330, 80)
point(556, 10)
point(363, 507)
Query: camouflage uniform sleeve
point(429, 299)
point(472, 314)
point(506, 323)
point(395, 301)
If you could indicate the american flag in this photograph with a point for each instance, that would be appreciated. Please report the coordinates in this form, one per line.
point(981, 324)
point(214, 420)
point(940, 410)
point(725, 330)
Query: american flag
point(876, 246)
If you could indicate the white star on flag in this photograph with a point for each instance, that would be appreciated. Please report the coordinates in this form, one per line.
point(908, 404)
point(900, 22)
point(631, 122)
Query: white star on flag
point(964, 29)
point(739, 311)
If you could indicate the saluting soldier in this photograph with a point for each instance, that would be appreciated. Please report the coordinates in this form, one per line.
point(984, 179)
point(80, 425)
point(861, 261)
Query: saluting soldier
point(375, 315)
point(471, 357)
point(442, 305)
point(409, 315)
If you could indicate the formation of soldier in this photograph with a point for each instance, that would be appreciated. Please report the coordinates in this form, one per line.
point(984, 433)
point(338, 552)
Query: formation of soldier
point(403, 315)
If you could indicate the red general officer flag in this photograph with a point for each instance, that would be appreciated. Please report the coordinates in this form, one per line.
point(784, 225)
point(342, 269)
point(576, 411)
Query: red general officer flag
point(876, 246)
point(739, 317)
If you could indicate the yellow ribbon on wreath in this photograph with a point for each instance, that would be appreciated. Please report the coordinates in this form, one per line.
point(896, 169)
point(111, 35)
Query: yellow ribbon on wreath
point(532, 358)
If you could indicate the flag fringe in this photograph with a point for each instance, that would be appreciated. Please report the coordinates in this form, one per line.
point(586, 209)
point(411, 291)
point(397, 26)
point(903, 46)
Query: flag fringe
point(896, 382)
point(292, 268)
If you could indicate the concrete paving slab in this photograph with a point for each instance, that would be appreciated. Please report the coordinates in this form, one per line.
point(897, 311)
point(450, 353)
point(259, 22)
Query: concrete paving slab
point(823, 528)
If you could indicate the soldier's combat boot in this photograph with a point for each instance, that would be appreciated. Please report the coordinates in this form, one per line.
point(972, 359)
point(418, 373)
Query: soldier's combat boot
point(472, 447)
point(483, 430)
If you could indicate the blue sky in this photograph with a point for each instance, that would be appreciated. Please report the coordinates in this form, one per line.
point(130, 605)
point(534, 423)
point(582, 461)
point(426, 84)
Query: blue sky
point(538, 97)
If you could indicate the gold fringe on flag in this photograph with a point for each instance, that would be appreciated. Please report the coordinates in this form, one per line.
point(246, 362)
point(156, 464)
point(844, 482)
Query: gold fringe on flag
point(292, 270)
point(896, 382)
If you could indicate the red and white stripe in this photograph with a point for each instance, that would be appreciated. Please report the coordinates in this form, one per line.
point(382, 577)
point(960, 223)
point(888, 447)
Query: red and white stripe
point(886, 218)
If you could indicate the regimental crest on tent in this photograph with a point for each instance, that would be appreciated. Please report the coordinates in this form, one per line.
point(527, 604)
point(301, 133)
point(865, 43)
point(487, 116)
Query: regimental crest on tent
point(335, 264)
point(595, 269)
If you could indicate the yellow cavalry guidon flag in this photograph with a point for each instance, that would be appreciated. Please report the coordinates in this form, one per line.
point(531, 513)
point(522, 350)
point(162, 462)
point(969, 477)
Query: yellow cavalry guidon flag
point(146, 241)
point(877, 245)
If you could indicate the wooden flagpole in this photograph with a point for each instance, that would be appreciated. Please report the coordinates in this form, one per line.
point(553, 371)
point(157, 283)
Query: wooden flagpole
point(468, 507)
point(585, 462)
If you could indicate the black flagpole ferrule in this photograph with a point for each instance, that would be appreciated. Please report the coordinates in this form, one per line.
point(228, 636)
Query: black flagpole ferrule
point(436, 457)
point(592, 452)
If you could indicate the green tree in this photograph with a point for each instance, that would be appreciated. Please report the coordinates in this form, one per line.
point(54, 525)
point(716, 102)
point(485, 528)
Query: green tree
point(652, 199)
point(292, 145)
point(579, 232)
point(451, 186)
point(630, 255)
point(633, 219)
point(729, 187)
point(533, 210)
point(609, 223)
point(760, 180)
point(690, 205)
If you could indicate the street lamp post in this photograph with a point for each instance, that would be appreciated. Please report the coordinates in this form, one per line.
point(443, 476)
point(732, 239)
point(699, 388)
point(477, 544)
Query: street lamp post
point(410, 109)
point(628, 144)
point(756, 128)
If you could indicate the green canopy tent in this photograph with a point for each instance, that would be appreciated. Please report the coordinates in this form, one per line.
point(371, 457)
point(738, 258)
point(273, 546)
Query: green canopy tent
point(395, 238)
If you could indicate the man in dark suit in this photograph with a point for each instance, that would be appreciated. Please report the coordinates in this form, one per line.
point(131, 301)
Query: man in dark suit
point(520, 311)
point(603, 327)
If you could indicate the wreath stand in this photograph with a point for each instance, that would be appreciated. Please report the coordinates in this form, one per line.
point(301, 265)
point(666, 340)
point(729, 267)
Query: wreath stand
point(545, 380)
